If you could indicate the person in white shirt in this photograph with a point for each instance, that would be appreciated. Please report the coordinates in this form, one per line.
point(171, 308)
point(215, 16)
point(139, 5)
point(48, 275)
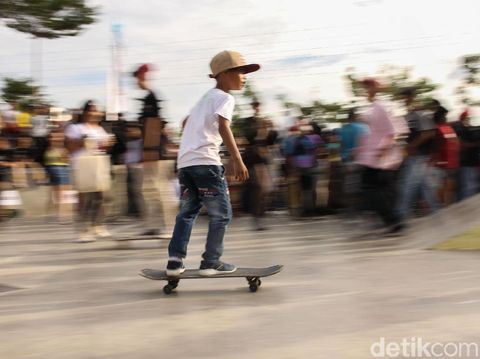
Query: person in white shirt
point(84, 137)
point(200, 170)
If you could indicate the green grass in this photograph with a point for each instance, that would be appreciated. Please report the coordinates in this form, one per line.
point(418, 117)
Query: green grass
point(469, 240)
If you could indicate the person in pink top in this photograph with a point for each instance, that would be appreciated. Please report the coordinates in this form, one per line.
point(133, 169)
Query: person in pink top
point(379, 156)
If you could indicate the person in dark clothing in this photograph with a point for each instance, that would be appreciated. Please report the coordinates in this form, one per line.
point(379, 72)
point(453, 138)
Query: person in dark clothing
point(6, 163)
point(24, 151)
point(118, 129)
point(301, 148)
point(164, 141)
point(133, 162)
point(469, 156)
point(415, 172)
point(256, 188)
point(252, 124)
point(151, 126)
point(256, 157)
point(150, 106)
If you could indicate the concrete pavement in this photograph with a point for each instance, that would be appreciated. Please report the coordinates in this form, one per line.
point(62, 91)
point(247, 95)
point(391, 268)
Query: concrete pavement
point(334, 299)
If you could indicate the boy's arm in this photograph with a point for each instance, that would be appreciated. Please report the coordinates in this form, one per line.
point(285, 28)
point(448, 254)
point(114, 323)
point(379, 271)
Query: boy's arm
point(239, 168)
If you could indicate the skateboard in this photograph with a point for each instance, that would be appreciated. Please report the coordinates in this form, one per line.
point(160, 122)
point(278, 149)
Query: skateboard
point(252, 275)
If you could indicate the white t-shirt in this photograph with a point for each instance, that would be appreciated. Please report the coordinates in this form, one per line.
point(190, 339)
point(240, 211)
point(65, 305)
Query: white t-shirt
point(200, 144)
point(96, 134)
point(40, 126)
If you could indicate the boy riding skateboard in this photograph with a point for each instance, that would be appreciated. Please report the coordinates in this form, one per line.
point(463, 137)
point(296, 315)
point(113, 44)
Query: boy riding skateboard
point(200, 170)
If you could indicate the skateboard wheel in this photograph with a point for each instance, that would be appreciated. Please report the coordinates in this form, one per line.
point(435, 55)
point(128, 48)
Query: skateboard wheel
point(173, 283)
point(167, 289)
point(259, 282)
point(253, 287)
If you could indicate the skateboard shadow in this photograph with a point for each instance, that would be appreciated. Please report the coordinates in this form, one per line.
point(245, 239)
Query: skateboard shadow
point(232, 297)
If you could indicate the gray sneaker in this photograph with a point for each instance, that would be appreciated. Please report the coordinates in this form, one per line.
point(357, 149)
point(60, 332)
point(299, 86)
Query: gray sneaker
point(213, 268)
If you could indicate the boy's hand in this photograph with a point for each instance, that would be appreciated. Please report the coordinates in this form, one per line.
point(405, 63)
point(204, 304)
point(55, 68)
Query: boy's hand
point(240, 171)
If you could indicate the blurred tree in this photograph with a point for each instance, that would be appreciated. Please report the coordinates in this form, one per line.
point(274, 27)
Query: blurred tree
point(250, 93)
point(48, 19)
point(395, 79)
point(470, 66)
point(318, 111)
point(322, 112)
point(243, 103)
point(23, 92)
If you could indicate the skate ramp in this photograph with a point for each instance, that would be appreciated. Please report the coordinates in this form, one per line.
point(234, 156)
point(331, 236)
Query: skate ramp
point(456, 227)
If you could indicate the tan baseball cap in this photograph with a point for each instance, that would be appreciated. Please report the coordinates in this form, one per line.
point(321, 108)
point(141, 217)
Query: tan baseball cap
point(227, 60)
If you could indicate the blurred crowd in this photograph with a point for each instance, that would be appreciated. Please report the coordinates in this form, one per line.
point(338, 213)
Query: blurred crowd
point(75, 158)
point(394, 166)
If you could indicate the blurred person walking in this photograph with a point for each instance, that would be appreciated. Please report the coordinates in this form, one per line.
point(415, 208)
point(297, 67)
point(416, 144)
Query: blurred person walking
point(446, 156)
point(301, 149)
point(257, 159)
point(380, 157)
point(58, 169)
point(88, 138)
point(351, 134)
point(200, 169)
point(416, 170)
point(40, 130)
point(6, 186)
point(27, 172)
point(469, 138)
point(133, 161)
point(157, 213)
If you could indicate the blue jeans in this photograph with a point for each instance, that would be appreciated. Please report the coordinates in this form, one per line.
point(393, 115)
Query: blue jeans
point(415, 178)
point(202, 185)
point(468, 185)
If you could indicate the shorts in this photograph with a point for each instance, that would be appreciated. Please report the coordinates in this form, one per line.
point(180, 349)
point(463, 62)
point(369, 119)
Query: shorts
point(59, 175)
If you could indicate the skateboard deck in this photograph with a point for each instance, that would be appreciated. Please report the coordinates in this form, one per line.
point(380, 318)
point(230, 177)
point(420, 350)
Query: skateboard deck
point(252, 275)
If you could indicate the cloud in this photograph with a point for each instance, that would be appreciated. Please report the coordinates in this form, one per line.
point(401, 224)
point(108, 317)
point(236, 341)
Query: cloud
point(301, 44)
point(375, 50)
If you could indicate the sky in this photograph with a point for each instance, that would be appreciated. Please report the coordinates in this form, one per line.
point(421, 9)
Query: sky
point(304, 48)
